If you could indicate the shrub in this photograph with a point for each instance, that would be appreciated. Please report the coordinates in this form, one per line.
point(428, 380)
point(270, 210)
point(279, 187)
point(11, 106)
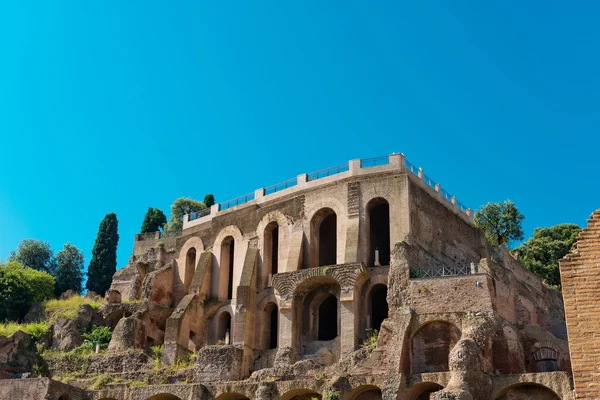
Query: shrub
point(98, 334)
point(332, 395)
point(20, 288)
point(100, 382)
point(372, 339)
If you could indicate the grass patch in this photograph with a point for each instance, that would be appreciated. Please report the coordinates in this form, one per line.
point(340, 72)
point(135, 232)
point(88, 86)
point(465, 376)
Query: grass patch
point(36, 329)
point(137, 384)
point(372, 339)
point(185, 363)
point(101, 381)
point(67, 308)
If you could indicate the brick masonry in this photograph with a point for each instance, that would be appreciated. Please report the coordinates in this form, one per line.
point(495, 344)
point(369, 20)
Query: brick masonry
point(580, 275)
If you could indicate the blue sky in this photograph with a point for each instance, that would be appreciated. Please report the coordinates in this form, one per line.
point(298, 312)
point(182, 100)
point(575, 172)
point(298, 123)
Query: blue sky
point(117, 106)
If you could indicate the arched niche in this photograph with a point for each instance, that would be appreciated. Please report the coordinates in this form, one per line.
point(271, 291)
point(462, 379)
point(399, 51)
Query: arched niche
point(323, 238)
point(378, 230)
point(431, 345)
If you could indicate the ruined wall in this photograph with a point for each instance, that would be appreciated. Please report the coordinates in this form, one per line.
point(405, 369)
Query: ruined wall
point(580, 276)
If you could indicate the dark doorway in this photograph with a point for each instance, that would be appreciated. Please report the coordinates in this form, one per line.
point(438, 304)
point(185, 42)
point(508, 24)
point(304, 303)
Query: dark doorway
point(379, 231)
point(224, 326)
point(328, 319)
point(275, 250)
point(273, 331)
point(379, 306)
point(230, 266)
point(328, 240)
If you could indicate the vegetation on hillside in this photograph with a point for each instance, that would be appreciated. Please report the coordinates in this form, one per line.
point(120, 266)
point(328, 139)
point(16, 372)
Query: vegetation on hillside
point(501, 222)
point(20, 288)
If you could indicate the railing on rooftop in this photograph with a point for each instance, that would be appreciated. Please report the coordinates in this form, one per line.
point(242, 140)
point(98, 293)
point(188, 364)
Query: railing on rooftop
point(170, 233)
point(281, 186)
point(237, 201)
point(441, 271)
point(364, 163)
point(199, 214)
point(374, 162)
point(328, 172)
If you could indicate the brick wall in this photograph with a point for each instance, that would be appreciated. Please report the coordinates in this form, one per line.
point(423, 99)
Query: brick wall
point(580, 275)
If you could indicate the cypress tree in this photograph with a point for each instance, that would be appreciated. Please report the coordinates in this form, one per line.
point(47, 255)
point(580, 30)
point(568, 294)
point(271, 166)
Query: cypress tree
point(104, 256)
point(209, 200)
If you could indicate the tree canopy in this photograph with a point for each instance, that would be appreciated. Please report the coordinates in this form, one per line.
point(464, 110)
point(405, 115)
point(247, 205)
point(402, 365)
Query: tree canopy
point(179, 208)
point(20, 288)
point(501, 222)
point(36, 254)
point(69, 270)
point(209, 200)
point(540, 254)
point(154, 220)
point(104, 255)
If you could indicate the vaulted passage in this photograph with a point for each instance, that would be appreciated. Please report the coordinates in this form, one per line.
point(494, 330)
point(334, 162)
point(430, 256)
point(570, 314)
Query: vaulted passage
point(190, 268)
point(224, 326)
point(271, 251)
point(379, 231)
point(528, 391)
point(273, 328)
point(379, 306)
point(328, 240)
point(226, 268)
point(328, 319)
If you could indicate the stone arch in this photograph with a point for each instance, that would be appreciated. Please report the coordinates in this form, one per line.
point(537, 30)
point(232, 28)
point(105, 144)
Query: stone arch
point(316, 304)
point(323, 238)
point(377, 306)
point(431, 345)
point(527, 390)
point(223, 277)
point(313, 215)
point(377, 213)
point(266, 238)
point(300, 394)
point(220, 321)
point(231, 396)
point(185, 269)
point(365, 392)
point(269, 326)
point(164, 396)
point(423, 390)
point(544, 356)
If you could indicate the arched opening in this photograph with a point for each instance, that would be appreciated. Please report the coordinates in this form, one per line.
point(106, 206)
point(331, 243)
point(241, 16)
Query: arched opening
point(328, 319)
point(324, 238)
point(546, 360)
point(527, 391)
point(365, 392)
point(379, 231)
point(301, 394)
point(164, 396)
point(231, 396)
point(224, 328)
point(379, 306)
point(190, 268)
point(226, 268)
point(271, 250)
point(423, 391)
point(431, 346)
point(269, 327)
point(273, 328)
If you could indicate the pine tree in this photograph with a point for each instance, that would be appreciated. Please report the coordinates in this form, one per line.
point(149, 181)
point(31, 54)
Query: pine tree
point(153, 220)
point(69, 269)
point(104, 255)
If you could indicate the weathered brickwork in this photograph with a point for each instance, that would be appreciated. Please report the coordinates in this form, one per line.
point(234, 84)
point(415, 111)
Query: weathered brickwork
point(580, 275)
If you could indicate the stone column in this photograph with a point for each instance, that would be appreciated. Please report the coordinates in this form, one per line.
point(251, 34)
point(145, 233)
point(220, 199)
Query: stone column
point(347, 326)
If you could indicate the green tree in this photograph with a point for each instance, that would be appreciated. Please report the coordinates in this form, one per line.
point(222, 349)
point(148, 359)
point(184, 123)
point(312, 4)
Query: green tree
point(36, 254)
point(501, 222)
point(209, 200)
point(20, 288)
point(69, 269)
point(104, 255)
point(179, 208)
point(540, 254)
point(153, 220)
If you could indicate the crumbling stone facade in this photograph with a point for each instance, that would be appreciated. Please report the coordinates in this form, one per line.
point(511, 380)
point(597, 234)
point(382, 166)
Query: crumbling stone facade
point(580, 276)
point(279, 297)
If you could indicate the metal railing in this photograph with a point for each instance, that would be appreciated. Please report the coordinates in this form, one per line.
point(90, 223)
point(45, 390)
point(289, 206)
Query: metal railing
point(281, 186)
point(412, 168)
point(430, 182)
point(199, 214)
point(328, 172)
point(442, 271)
point(374, 162)
point(170, 233)
point(237, 201)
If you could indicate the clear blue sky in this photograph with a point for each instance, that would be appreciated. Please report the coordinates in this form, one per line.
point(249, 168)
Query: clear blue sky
point(120, 105)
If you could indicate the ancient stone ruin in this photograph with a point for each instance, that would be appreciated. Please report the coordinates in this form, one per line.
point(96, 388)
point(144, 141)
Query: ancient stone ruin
point(362, 281)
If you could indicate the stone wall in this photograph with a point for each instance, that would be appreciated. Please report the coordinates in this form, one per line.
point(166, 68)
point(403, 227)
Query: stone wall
point(580, 276)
